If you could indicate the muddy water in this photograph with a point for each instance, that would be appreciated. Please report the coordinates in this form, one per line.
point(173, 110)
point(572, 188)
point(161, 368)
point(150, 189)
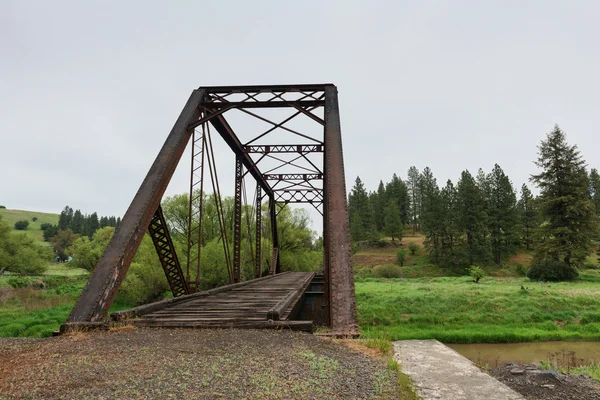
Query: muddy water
point(559, 353)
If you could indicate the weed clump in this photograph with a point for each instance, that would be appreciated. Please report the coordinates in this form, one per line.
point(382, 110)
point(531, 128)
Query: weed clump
point(387, 271)
point(552, 271)
point(476, 273)
point(413, 248)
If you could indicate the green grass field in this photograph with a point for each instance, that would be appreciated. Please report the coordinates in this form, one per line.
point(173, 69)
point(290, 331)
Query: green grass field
point(497, 310)
point(12, 216)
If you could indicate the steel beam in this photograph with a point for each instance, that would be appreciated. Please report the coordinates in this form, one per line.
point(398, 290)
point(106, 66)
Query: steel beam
point(275, 266)
point(215, 105)
point(234, 143)
point(101, 289)
point(285, 148)
point(342, 302)
point(159, 232)
point(293, 177)
point(267, 88)
point(257, 260)
point(237, 219)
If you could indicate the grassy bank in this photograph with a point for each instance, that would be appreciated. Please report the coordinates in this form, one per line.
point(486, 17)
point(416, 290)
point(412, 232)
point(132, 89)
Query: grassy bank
point(32, 312)
point(456, 310)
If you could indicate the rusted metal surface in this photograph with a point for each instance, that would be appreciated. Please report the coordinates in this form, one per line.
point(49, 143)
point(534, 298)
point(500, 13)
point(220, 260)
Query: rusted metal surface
point(196, 208)
point(342, 300)
point(159, 232)
point(274, 259)
point(237, 219)
point(101, 289)
point(275, 267)
point(285, 148)
point(258, 236)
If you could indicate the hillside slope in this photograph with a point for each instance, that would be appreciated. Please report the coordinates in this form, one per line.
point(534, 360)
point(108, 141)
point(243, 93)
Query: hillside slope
point(12, 216)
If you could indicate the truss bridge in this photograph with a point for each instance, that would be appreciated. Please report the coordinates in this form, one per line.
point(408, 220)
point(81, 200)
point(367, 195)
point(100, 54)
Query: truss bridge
point(287, 146)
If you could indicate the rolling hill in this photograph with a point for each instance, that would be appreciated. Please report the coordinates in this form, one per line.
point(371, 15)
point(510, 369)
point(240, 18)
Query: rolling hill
point(12, 216)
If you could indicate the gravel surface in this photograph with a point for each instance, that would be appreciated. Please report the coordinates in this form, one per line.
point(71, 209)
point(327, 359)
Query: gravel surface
point(533, 383)
point(191, 364)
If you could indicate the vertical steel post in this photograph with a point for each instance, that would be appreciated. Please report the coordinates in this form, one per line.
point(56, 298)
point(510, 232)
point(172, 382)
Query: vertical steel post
point(275, 267)
point(257, 260)
point(237, 221)
point(342, 303)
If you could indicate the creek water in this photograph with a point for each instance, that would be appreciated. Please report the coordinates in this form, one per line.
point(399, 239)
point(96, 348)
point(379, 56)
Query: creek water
point(559, 353)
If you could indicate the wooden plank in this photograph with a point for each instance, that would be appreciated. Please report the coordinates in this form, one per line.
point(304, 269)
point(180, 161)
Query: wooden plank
point(141, 310)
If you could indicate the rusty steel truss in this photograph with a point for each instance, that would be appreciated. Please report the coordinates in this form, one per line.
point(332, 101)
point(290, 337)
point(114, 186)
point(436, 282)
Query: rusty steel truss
point(307, 167)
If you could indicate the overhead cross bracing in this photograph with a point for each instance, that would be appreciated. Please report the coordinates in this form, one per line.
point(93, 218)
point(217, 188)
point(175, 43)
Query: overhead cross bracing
point(291, 161)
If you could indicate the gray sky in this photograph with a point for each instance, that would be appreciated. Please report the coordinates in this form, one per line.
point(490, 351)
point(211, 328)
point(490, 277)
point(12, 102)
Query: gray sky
point(90, 90)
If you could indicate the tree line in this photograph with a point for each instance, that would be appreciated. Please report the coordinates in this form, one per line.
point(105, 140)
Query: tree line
point(73, 224)
point(482, 218)
point(299, 249)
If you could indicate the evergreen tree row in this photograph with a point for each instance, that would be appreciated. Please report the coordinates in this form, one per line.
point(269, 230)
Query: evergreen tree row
point(481, 218)
point(78, 223)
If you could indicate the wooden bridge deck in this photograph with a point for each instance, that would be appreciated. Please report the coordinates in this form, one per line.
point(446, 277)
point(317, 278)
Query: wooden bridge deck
point(267, 302)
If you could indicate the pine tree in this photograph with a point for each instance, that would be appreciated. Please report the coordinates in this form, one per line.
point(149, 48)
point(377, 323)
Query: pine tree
point(357, 230)
point(431, 213)
point(397, 191)
point(93, 224)
point(566, 208)
point(450, 230)
point(501, 210)
point(472, 217)
point(359, 205)
point(77, 222)
point(393, 221)
point(595, 189)
point(528, 215)
point(413, 191)
point(379, 201)
point(64, 220)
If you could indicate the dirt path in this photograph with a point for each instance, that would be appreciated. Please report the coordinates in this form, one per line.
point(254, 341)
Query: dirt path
point(191, 364)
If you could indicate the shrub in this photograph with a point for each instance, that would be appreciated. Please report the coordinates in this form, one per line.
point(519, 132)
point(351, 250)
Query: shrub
point(552, 271)
point(520, 269)
point(19, 282)
point(3, 207)
point(363, 272)
point(591, 266)
point(476, 273)
point(21, 255)
point(387, 271)
point(34, 219)
point(380, 243)
point(21, 225)
point(413, 248)
point(144, 284)
point(401, 256)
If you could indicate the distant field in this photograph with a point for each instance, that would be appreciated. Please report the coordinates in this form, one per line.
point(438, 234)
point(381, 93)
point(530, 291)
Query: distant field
point(12, 216)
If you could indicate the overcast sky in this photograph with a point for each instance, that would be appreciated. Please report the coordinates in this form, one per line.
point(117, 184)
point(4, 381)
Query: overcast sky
point(90, 90)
